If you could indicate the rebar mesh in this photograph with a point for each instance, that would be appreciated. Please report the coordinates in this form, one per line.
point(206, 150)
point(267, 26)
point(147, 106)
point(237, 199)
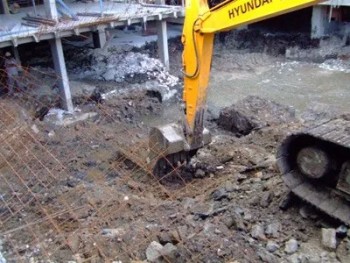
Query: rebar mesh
point(81, 191)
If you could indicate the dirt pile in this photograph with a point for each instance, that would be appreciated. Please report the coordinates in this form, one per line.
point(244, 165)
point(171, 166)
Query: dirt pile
point(107, 209)
point(89, 203)
point(254, 113)
point(264, 42)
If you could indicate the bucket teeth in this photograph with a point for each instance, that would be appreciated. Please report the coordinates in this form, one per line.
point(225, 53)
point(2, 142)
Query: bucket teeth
point(169, 150)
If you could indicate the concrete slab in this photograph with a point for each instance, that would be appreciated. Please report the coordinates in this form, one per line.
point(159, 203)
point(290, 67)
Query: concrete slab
point(12, 32)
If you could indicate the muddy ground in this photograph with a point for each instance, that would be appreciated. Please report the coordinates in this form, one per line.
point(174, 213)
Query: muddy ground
point(71, 190)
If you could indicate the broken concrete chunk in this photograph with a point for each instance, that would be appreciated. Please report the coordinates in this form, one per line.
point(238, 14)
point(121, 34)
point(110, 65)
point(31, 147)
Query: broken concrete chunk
point(219, 194)
point(343, 251)
point(272, 246)
point(267, 257)
point(258, 232)
point(35, 129)
point(273, 229)
point(266, 199)
point(154, 251)
point(329, 238)
point(169, 252)
point(291, 246)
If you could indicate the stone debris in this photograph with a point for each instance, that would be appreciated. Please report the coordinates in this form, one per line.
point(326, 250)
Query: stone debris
point(257, 232)
point(226, 210)
point(291, 246)
point(329, 240)
point(131, 67)
point(273, 229)
point(169, 252)
point(153, 251)
point(272, 246)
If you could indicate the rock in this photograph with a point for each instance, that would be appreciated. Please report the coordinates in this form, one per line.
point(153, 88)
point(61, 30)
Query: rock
point(219, 194)
point(199, 173)
point(314, 259)
point(273, 229)
point(220, 252)
point(202, 210)
point(341, 231)
point(114, 233)
point(169, 252)
point(73, 242)
point(303, 212)
point(35, 129)
point(182, 232)
point(253, 112)
point(272, 246)
point(235, 221)
point(329, 240)
point(72, 182)
point(51, 133)
point(291, 246)
point(267, 257)
point(154, 251)
point(343, 251)
point(109, 74)
point(164, 237)
point(257, 232)
point(266, 199)
point(247, 216)
point(305, 258)
point(230, 187)
point(175, 237)
point(329, 257)
point(188, 202)
point(294, 259)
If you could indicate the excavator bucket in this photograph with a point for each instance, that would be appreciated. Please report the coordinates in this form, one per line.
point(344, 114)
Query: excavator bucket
point(168, 148)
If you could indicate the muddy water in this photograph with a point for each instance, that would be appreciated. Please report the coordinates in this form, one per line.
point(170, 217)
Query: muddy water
point(299, 84)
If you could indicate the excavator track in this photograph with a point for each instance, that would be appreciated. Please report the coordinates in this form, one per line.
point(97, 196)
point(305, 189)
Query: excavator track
point(315, 165)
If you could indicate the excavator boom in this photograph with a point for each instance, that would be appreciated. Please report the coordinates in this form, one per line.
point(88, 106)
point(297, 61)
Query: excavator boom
point(201, 23)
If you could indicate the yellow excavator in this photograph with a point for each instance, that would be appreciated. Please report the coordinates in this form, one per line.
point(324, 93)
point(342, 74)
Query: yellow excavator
point(315, 163)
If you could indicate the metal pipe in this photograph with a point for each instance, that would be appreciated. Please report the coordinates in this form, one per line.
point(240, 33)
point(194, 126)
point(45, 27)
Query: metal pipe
point(101, 7)
point(34, 6)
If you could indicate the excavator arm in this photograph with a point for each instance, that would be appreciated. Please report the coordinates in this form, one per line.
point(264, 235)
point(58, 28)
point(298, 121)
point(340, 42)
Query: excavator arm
point(169, 142)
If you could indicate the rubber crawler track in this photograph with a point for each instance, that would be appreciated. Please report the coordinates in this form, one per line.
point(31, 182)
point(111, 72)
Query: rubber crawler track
point(333, 135)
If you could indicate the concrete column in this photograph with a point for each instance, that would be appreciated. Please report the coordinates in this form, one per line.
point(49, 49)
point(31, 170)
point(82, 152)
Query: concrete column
point(4, 9)
point(163, 49)
point(162, 39)
point(60, 68)
point(99, 38)
point(318, 21)
point(51, 9)
point(17, 57)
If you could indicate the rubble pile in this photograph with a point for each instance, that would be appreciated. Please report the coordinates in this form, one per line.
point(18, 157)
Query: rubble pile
point(226, 209)
point(133, 68)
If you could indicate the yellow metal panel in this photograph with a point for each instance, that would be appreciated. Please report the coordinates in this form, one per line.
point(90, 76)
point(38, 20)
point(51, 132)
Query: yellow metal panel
point(198, 34)
point(242, 12)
